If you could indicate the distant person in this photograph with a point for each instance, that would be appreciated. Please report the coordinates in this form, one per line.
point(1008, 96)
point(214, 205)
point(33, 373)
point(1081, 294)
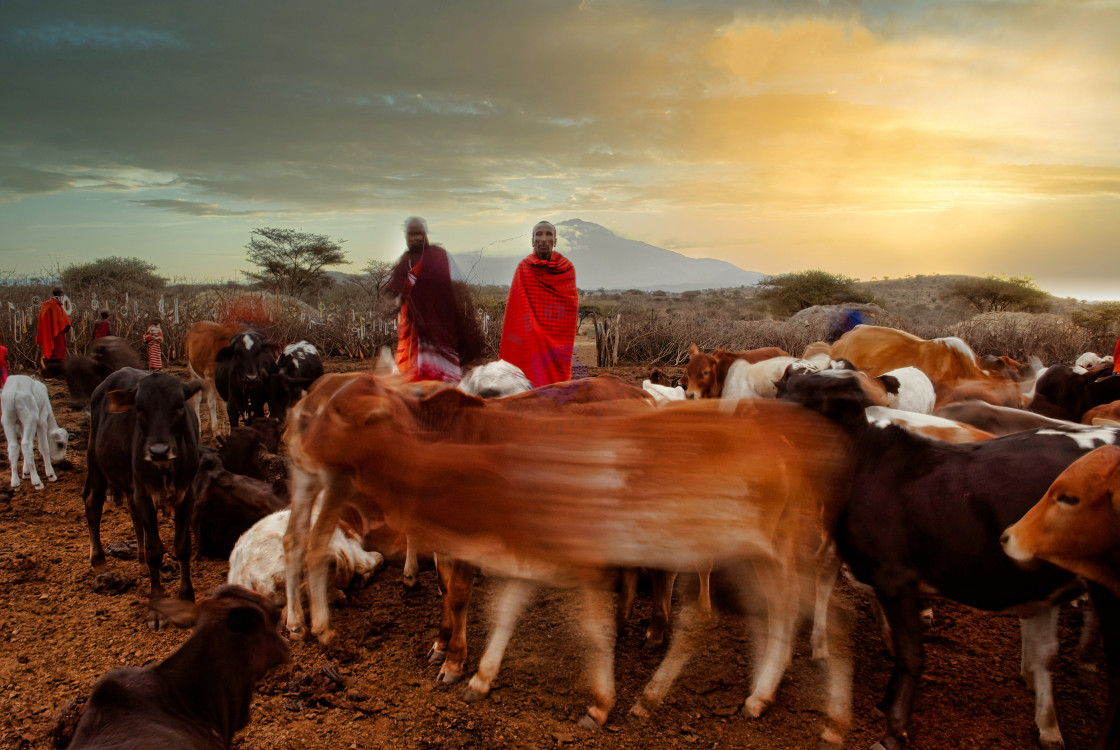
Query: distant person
point(844, 321)
point(437, 327)
point(54, 324)
point(539, 330)
point(153, 337)
point(101, 327)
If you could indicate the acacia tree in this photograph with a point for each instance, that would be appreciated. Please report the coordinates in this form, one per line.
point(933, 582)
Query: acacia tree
point(114, 273)
point(790, 292)
point(374, 279)
point(292, 262)
point(1000, 294)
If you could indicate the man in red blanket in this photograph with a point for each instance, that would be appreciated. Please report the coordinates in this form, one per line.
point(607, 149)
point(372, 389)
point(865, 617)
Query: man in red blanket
point(53, 325)
point(437, 327)
point(539, 331)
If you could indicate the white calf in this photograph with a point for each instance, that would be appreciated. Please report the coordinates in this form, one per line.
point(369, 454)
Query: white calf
point(257, 560)
point(1088, 361)
point(759, 380)
point(27, 415)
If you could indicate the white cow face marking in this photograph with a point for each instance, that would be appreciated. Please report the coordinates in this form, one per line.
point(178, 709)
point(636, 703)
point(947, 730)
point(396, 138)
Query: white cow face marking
point(248, 341)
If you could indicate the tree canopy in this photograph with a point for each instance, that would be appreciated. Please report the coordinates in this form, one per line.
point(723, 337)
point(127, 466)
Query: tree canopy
point(787, 293)
point(291, 261)
point(993, 293)
point(112, 274)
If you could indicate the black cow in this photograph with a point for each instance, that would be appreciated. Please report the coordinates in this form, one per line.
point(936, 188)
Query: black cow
point(241, 375)
point(299, 366)
point(84, 372)
point(227, 504)
point(915, 513)
point(1062, 393)
point(197, 698)
point(144, 446)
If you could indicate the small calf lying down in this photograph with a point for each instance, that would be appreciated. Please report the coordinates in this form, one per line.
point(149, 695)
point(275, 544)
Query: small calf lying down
point(495, 380)
point(257, 561)
point(27, 417)
point(226, 505)
point(198, 697)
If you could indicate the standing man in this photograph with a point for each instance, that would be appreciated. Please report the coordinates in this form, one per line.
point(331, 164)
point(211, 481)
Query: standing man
point(53, 325)
point(437, 328)
point(539, 330)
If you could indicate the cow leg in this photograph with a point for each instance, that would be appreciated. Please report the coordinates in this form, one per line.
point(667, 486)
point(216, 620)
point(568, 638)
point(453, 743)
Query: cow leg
point(838, 678)
point(662, 604)
point(27, 446)
point(334, 495)
point(828, 569)
point(233, 411)
point(509, 604)
point(1108, 612)
point(443, 583)
point(42, 432)
point(902, 613)
point(145, 519)
point(11, 432)
point(627, 592)
point(1040, 653)
point(305, 487)
point(95, 506)
point(457, 598)
point(598, 626)
point(183, 514)
point(704, 602)
point(681, 644)
point(778, 580)
point(411, 565)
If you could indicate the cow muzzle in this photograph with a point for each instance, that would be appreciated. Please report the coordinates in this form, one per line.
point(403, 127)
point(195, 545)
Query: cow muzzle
point(159, 452)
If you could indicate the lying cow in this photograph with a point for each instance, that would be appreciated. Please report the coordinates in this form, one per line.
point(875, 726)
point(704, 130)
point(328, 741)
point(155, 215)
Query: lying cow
point(257, 560)
point(916, 515)
point(143, 445)
point(226, 505)
point(706, 373)
point(763, 472)
point(28, 418)
point(198, 697)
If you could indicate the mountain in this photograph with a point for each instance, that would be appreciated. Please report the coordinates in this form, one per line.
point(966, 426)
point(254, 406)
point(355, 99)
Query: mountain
point(603, 260)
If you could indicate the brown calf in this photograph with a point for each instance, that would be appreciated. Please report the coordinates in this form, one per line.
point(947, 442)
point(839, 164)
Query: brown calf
point(201, 344)
point(706, 373)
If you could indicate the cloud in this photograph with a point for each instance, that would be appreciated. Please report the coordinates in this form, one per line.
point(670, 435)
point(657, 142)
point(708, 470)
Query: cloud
point(195, 208)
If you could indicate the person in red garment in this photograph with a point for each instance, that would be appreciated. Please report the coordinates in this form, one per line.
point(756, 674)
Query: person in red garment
point(1116, 358)
point(437, 327)
point(53, 325)
point(539, 330)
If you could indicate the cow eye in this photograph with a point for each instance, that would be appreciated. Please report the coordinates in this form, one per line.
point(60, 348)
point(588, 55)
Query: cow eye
point(1070, 500)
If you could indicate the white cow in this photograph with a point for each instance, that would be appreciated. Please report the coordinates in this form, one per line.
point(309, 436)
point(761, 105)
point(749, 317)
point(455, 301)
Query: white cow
point(27, 415)
point(257, 560)
point(915, 391)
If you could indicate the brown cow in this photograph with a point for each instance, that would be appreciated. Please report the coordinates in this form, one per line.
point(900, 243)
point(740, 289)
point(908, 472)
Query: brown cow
point(202, 343)
point(603, 494)
point(199, 696)
point(1105, 414)
point(1076, 525)
point(705, 375)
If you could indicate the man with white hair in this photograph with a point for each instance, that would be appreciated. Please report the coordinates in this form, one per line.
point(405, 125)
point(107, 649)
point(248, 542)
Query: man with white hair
point(437, 330)
point(539, 331)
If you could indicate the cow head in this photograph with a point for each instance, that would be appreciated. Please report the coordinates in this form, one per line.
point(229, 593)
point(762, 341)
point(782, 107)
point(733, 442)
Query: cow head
point(1076, 525)
point(699, 375)
point(837, 394)
point(163, 416)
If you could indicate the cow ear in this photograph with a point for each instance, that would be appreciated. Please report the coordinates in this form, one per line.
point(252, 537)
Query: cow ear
point(191, 388)
point(890, 382)
point(693, 349)
point(244, 620)
point(121, 401)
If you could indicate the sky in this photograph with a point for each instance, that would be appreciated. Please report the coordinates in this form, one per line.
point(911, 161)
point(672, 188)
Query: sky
point(872, 139)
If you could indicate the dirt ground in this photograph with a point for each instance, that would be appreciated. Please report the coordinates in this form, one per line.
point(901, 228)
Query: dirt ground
point(57, 635)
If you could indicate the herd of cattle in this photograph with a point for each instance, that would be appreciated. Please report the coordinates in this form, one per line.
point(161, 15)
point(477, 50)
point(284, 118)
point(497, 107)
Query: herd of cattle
point(920, 467)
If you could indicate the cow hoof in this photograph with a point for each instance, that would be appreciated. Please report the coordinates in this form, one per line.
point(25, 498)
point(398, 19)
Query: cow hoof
point(449, 678)
point(326, 637)
point(587, 721)
point(1057, 744)
point(755, 707)
point(435, 656)
point(470, 695)
point(820, 654)
point(639, 711)
point(155, 621)
point(297, 633)
point(52, 478)
point(38, 485)
point(653, 642)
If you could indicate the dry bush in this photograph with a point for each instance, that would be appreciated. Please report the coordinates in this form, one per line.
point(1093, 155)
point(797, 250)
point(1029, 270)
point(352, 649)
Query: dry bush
point(1052, 338)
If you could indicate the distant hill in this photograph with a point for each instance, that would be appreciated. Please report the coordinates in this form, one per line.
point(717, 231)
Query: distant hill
point(604, 260)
